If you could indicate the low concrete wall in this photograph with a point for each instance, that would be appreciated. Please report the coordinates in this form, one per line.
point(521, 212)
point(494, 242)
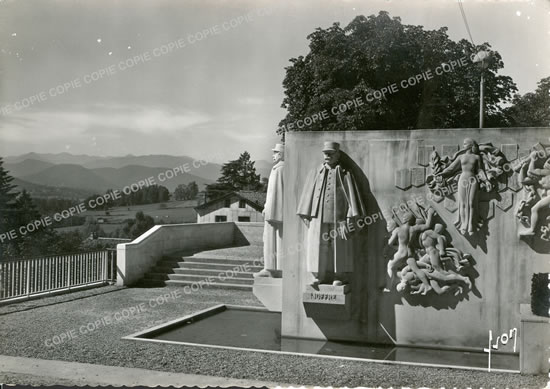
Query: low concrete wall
point(534, 350)
point(134, 259)
point(249, 233)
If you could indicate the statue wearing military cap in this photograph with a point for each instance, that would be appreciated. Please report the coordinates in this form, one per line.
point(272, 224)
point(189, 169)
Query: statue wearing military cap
point(330, 199)
point(273, 216)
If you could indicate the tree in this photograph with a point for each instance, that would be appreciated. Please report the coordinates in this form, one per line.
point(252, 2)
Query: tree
point(139, 225)
point(8, 214)
point(31, 243)
point(31, 240)
point(192, 190)
point(68, 242)
point(186, 192)
point(371, 53)
point(91, 226)
point(8, 195)
point(239, 174)
point(531, 109)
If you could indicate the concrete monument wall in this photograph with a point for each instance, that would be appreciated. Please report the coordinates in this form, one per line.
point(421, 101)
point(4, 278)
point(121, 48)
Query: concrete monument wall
point(391, 168)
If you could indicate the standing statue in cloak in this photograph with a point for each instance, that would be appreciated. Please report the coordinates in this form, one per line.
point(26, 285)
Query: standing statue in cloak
point(273, 216)
point(329, 202)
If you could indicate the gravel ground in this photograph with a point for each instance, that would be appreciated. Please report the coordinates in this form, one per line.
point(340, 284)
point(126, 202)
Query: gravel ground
point(28, 379)
point(26, 328)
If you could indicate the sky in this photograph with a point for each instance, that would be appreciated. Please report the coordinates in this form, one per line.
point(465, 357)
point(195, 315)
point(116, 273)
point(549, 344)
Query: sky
point(201, 78)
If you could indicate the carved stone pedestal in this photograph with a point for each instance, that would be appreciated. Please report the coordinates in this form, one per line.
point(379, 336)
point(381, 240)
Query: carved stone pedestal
point(269, 291)
point(534, 334)
point(328, 302)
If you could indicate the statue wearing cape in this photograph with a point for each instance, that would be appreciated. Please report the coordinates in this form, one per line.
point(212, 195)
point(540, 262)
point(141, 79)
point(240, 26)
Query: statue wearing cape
point(329, 200)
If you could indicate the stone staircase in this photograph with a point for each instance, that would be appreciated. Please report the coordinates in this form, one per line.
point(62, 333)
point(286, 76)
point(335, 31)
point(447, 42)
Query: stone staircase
point(229, 268)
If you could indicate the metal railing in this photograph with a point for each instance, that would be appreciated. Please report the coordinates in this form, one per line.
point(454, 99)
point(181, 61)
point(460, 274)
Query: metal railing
point(32, 276)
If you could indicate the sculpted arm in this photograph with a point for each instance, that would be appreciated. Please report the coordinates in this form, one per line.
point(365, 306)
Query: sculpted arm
point(393, 237)
point(452, 168)
point(441, 244)
point(427, 225)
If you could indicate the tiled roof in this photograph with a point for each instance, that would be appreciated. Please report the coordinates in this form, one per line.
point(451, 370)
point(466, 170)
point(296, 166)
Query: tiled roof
point(255, 199)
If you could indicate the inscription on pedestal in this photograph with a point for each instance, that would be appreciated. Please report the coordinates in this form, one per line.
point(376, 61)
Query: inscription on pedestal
point(324, 298)
point(327, 302)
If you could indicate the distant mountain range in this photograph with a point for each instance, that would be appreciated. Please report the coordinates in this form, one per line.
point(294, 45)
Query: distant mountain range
point(43, 191)
point(45, 175)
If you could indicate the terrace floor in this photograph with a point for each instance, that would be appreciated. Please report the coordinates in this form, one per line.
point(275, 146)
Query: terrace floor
point(94, 321)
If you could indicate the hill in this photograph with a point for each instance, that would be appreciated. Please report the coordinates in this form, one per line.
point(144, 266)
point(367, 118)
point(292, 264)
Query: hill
point(56, 159)
point(45, 191)
point(210, 171)
point(26, 167)
point(70, 176)
point(128, 175)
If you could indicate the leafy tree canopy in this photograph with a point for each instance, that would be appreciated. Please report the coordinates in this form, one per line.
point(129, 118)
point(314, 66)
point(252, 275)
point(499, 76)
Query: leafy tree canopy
point(531, 109)
point(374, 52)
point(135, 227)
point(186, 192)
point(239, 174)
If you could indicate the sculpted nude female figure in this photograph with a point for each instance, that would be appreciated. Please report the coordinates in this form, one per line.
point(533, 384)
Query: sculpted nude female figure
point(470, 165)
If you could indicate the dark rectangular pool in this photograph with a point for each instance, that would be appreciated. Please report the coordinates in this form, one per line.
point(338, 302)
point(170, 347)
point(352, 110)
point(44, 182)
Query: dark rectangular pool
point(260, 330)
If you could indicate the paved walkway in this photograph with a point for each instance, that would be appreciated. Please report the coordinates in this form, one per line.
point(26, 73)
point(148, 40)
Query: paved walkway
point(86, 373)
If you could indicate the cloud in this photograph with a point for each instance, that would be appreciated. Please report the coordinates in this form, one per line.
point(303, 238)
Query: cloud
point(63, 125)
point(251, 100)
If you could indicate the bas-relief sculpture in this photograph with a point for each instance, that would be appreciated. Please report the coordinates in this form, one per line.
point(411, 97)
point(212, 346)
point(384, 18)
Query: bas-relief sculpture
point(404, 235)
point(430, 264)
point(273, 216)
point(534, 176)
point(329, 202)
point(330, 199)
point(477, 168)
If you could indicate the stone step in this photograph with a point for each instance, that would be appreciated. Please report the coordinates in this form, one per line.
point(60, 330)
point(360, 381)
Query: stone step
point(215, 279)
point(219, 266)
point(214, 273)
point(167, 265)
point(153, 276)
point(170, 264)
point(148, 283)
point(212, 285)
point(239, 252)
point(229, 260)
point(230, 267)
point(243, 252)
point(162, 269)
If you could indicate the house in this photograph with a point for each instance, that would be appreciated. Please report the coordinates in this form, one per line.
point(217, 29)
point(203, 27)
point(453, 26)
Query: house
point(241, 206)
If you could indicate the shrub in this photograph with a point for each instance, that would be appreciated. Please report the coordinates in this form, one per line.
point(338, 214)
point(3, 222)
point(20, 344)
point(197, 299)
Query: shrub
point(540, 295)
